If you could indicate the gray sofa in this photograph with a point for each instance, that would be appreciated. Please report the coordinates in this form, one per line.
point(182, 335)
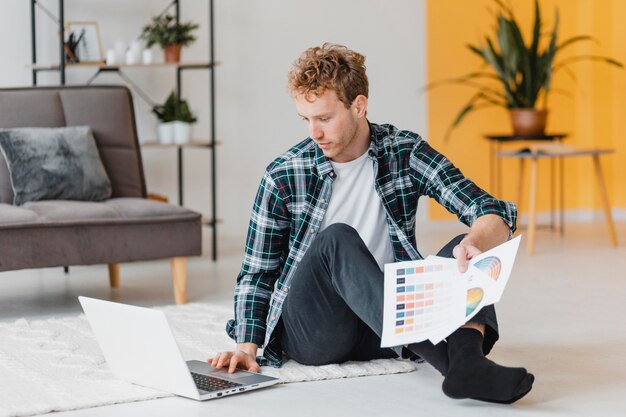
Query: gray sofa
point(127, 227)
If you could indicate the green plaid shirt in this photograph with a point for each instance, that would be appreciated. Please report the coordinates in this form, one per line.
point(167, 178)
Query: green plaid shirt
point(292, 200)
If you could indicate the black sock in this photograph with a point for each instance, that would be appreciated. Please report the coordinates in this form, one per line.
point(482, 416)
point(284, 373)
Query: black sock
point(436, 355)
point(471, 375)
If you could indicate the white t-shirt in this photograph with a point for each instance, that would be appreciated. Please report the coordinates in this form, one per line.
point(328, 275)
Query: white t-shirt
point(355, 202)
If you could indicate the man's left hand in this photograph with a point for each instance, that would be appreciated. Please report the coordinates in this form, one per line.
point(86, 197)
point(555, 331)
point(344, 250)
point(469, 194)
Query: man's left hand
point(463, 252)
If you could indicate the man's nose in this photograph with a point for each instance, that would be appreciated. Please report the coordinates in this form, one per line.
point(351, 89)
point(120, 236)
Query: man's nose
point(315, 132)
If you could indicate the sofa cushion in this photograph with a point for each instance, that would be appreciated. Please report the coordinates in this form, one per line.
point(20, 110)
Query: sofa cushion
point(113, 126)
point(116, 211)
point(54, 163)
point(57, 233)
point(16, 216)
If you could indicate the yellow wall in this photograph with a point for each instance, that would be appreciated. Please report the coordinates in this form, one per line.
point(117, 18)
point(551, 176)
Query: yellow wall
point(592, 108)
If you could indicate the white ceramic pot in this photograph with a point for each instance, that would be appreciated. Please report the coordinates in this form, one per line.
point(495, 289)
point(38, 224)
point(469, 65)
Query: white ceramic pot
point(133, 54)
point(111, 58)
point(120, 52)
point(165, 133)
point(131, 57)
point(146, 57)
point(182, 132)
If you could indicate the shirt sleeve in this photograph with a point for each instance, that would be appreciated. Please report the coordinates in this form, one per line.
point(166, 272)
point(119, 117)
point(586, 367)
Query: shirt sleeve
point(266, 244)
point(438, 178)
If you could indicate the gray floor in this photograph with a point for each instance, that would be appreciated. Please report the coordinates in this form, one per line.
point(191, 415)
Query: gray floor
point(562, 316)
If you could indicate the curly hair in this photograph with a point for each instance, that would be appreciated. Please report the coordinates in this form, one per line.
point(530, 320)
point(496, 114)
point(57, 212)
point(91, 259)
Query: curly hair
point(329, 67)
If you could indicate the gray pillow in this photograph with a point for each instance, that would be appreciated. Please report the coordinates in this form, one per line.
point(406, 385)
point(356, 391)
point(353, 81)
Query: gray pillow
point(6, 191)
point(54, 164)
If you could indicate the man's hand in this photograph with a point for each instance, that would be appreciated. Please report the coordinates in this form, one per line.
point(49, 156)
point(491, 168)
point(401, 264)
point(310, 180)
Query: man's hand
point(463, 252)
point(244, 357)
point(488, 231)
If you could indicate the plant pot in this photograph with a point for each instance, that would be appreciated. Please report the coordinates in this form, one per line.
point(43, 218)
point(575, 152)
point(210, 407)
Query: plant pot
point(528, 122)
point(172, 53)
point(182, 132)
point(165, 133)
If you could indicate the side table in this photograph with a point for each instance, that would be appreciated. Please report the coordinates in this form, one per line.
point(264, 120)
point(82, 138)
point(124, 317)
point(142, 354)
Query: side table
point(496, 141)
point(552, 153)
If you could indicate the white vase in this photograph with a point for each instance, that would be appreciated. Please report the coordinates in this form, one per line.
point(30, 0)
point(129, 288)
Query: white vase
point(131, 58)
point(182, 132)
point(165, 133)
point(134, 53)
point(120, 52)
point(146, 57)
point(111, 58)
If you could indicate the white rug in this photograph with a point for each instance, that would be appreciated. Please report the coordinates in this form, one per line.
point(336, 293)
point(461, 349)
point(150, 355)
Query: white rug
point(56, 364)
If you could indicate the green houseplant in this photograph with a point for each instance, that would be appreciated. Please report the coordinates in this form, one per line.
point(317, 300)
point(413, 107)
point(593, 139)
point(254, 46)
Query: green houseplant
point(171, 35)
point(518, 76)
point(176, 119)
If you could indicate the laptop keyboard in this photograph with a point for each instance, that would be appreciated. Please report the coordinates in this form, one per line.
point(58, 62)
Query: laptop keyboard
point(209, 383)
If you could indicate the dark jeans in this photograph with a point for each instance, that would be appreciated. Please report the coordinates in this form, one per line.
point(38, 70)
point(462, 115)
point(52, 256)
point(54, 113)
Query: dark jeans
point(334, 310)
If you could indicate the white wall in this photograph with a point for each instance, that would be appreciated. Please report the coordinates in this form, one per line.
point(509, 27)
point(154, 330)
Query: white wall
point(256, 42)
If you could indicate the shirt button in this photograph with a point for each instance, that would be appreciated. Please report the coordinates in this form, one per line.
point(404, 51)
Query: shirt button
point(312, 230)
point(286, 289)
point(331, 173)
point(273, 318)
point(323, 201)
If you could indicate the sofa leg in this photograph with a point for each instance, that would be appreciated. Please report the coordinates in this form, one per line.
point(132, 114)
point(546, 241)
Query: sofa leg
point(179, 279)
point(114, 275)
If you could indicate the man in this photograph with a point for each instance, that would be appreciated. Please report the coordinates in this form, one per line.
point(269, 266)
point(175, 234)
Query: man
point(330, 212)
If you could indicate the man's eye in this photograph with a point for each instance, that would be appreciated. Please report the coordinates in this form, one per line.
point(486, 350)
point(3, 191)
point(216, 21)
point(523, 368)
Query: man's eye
point(324, 119)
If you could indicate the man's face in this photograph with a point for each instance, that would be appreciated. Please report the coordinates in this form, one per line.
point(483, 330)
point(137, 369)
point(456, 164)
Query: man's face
point(331, 125)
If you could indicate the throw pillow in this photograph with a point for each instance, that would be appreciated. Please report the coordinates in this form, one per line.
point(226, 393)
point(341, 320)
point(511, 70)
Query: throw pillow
point(6, 191)
point(54, 164)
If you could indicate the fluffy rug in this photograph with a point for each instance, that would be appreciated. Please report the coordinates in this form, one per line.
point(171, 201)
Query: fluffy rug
point(56, 364)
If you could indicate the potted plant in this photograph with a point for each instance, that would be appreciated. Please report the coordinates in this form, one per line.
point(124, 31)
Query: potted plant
point(520, 75)
point(170, 34)
point(176, 119)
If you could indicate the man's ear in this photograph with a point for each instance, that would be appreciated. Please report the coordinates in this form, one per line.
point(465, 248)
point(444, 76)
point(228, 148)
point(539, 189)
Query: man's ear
point(359, 105)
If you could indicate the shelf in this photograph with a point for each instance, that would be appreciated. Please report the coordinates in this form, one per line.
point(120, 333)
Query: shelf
point(209, 222)
point(192, 144)
point(103, 66)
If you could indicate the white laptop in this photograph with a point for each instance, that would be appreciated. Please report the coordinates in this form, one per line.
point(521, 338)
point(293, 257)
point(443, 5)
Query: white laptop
point(139, 347)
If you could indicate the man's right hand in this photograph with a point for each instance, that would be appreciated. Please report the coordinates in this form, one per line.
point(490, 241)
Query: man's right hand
point(244, 357)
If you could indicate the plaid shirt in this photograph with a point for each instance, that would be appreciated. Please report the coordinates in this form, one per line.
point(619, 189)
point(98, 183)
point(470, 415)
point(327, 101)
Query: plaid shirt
point(292, 200)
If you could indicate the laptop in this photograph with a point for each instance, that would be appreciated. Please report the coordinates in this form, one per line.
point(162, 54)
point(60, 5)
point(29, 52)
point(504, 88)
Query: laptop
point(139, 347)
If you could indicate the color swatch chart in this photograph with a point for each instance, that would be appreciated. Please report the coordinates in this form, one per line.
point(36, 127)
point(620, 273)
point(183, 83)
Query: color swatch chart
point(429, 299)
point(423, 299)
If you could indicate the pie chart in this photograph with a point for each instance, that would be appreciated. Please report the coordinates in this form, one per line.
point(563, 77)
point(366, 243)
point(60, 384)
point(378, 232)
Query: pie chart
point(474, 297)
point(490, 266)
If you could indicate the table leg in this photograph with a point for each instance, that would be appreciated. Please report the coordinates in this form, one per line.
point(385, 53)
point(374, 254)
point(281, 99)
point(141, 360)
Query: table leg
point(499, 172)
point(562, 196)
point(492, 174)
point(553, 224)
point(605, 199)
point(520, 185)
point(532, 205)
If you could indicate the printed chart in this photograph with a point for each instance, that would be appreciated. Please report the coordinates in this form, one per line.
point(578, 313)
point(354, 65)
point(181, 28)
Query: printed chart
point(429, 299)
point(423, 297)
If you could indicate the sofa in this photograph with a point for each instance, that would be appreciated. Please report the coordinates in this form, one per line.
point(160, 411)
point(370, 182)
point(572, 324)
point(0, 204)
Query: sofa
point(125, 227)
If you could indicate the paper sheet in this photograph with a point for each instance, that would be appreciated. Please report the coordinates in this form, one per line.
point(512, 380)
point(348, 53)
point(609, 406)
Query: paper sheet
point(429, 299)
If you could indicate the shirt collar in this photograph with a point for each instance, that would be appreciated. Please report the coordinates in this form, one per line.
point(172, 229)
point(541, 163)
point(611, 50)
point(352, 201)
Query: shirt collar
point(375, 143)
point(323, 163)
